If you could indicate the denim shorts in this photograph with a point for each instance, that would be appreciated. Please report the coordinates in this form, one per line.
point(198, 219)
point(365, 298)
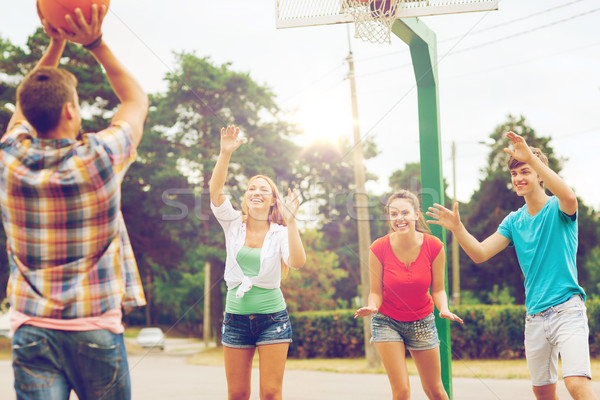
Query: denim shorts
point(247, 331)
point(416, 335)
point(562, 329)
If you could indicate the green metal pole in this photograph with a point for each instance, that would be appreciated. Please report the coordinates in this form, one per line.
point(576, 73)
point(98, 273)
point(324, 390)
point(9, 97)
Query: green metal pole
point(423, 50)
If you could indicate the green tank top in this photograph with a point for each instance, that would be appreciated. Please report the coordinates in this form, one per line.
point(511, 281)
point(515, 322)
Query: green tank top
point(257, 300)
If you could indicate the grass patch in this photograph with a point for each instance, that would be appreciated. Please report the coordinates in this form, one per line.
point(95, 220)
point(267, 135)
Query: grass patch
point(493, 369)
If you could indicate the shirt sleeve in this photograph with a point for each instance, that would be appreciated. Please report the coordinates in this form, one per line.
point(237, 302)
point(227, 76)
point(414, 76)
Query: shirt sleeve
point(435, 246)
point(564, 217)
point(378, 248)
point(117, 141)
point(226, 214)
point(505, 227)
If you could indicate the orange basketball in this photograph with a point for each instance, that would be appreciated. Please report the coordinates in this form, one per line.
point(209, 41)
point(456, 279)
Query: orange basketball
point(54, 11)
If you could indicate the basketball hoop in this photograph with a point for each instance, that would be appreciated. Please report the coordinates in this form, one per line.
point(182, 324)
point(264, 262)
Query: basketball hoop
point(373, 19)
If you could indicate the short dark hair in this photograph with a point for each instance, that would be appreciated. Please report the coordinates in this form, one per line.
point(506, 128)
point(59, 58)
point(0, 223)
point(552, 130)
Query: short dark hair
point(42, 95)
point(513, 163)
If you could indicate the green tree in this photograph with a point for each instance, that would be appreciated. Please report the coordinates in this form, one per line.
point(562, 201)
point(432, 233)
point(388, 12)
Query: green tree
point(325, 172)
point(312, 287)
point(592, 267)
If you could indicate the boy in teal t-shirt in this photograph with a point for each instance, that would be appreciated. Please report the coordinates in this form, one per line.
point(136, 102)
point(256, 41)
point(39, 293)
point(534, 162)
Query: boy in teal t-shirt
point(544, 234)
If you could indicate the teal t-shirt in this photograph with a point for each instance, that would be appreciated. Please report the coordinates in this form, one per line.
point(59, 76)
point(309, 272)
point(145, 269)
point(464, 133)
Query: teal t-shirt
point(257, 300)
point(546, 246)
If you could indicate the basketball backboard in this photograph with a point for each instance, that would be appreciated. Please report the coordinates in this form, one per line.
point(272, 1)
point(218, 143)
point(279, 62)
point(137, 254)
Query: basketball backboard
point(296, 13)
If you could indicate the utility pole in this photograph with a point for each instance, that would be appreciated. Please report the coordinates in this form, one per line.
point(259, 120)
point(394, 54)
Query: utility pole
point(455, 263)
point(362, 213)
point(206, 319)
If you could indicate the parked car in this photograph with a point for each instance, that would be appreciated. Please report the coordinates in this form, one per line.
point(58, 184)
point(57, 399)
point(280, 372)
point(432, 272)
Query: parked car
point(151, 337)
point(4, 326)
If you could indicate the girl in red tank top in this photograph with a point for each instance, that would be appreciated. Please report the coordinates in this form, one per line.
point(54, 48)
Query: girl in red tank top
point(404, 265)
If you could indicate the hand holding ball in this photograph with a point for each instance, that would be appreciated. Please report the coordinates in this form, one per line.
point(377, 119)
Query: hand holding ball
point(54, 11)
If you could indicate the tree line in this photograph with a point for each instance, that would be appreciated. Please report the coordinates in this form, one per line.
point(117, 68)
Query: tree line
point(165, 198)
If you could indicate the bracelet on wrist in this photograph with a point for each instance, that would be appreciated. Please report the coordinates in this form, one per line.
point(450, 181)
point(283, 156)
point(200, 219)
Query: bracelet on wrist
point(94, 44)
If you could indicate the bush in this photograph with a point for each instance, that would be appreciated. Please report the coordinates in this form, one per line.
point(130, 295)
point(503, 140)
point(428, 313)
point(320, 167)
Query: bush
point(326, 334)
point(593, 312)
point(489, 331)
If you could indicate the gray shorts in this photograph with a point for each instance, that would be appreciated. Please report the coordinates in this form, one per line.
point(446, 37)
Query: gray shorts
point(562, 329)
point(416, 335)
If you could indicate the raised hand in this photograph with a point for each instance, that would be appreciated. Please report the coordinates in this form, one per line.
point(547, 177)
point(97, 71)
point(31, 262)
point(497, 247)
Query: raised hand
point(521, 151)
point(365, 311)
point(230, 140)
point(82, 32)
point(290, 207)
point(451, 316)
point(449, 220)
point(52, 32)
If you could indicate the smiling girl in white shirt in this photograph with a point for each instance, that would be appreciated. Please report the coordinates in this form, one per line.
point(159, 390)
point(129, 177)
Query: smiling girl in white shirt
point(260, 242)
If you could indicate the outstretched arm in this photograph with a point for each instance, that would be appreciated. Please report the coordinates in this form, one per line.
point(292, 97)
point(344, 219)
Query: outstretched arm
point(438, 288)
point(478, 251)
point(567, 200)
point(230, 142)
point(376, 292)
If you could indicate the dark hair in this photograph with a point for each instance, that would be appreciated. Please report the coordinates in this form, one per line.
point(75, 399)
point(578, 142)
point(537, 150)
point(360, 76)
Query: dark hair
point(42, 95)
point(421, 225)
point(513, 163)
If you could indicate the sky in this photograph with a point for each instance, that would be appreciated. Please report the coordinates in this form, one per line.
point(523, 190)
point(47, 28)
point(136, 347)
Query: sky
point(536, 58)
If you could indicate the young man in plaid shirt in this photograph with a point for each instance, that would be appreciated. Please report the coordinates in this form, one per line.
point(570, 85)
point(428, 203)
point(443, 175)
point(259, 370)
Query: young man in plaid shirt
point(71, 264)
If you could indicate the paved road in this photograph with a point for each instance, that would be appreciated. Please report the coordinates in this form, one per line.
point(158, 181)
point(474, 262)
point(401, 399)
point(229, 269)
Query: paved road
point(157, 376)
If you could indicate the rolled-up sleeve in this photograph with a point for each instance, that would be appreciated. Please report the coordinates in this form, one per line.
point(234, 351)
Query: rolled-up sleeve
point(226, 214)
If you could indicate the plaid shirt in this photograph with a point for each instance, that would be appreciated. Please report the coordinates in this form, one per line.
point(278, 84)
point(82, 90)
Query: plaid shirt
point(68, 248)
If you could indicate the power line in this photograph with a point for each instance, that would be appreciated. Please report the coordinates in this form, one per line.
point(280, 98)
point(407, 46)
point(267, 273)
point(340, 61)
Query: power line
point(491, 42)
point(554, 23)
point(470, 74)
point(503, 24)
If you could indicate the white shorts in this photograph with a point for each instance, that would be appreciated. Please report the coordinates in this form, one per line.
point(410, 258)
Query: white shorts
point(562, 329)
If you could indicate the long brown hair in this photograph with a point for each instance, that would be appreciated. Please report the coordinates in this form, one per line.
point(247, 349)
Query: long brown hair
point(274, 213)
point(421, 225)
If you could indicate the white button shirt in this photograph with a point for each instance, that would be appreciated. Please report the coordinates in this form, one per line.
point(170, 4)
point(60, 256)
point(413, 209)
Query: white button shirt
point(275, 249)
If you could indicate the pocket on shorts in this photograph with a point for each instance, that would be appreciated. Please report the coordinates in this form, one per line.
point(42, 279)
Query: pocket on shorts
point(571, 306)
point(281, 316)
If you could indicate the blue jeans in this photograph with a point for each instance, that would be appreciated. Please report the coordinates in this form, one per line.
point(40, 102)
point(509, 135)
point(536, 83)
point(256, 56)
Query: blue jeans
point(49, 363)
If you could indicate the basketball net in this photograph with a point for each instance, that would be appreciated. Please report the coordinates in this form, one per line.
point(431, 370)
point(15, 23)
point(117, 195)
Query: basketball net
point(373, 19)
